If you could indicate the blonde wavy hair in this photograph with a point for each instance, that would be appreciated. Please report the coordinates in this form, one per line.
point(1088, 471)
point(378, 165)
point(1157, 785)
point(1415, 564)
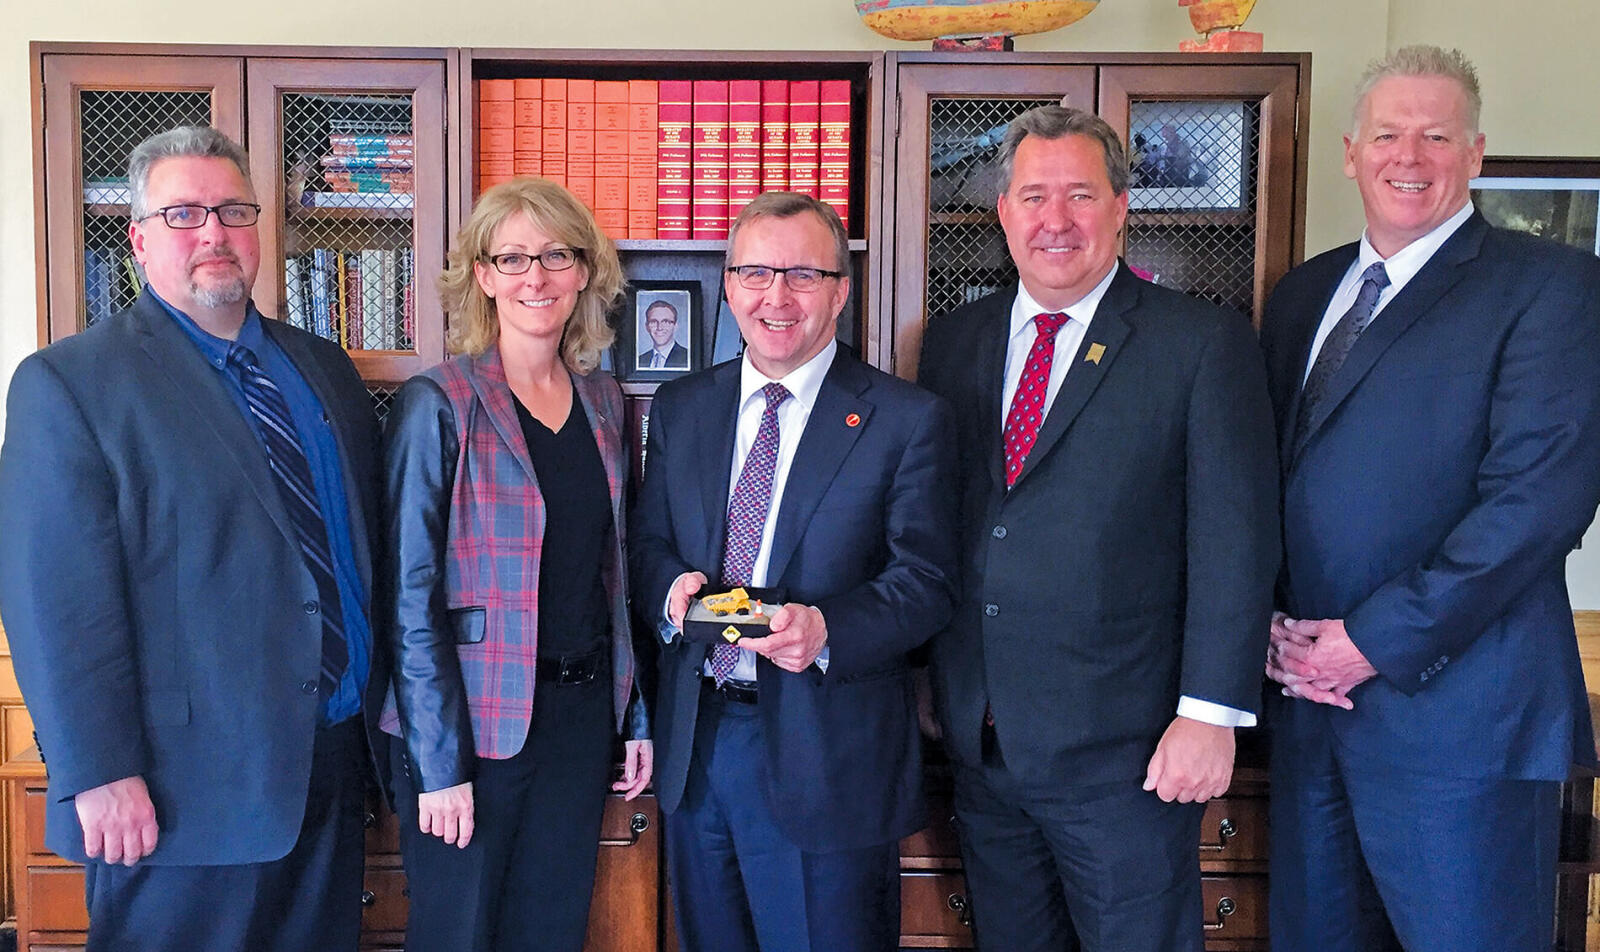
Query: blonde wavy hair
point(474, 325)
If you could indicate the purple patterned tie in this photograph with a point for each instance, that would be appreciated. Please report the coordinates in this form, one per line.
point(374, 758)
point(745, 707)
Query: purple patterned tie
point(747, 516)
point(1027, 406)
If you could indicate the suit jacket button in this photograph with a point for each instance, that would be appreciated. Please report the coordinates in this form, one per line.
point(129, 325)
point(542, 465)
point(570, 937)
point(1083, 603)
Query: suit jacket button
point(310, 607)
point(991, 609)
point(999, 532)
point(308, 687)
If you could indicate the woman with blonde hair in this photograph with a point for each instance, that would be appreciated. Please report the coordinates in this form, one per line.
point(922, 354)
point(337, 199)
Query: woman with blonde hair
point(504, 472)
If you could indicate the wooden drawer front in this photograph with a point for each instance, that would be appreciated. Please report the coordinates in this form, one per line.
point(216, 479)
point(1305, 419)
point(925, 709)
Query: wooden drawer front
point(55, 899)
point(935, 846)
point(383, 901)
point(934, 913)
point(33, 800)
point(383, 831)
point(1234, 828)
point(1235, 907)
point(623, 916)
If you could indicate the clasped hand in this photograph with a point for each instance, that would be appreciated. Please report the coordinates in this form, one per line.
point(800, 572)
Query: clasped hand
point(1315, 659)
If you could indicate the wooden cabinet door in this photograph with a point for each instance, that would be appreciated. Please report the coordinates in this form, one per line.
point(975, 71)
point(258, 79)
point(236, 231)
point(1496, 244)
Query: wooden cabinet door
point(1212, 211)
point(96, 109)
point(348, 158)
point(948, 247)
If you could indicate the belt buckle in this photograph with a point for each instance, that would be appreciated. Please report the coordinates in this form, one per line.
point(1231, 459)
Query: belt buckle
point(579, 670)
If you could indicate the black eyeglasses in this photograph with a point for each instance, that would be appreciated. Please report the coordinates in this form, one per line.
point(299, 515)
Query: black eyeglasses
point(516, 262)
point(232, 215)
point(759, 277)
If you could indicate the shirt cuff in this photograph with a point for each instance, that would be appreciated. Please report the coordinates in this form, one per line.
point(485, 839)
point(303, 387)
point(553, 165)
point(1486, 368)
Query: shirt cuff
point(1208, 712)
point(665, 626)
point(822, 659)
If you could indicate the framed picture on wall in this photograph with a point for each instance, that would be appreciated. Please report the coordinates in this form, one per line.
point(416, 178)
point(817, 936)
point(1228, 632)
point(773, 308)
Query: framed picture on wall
point(1556, 198)
point(1188, 156)
point(661, 334)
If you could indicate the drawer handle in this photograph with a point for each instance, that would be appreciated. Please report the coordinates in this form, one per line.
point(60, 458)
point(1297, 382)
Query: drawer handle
point(1226, 830)
point(958, 904)
point(1225, 908)
point(367, 898)
point(637, 824)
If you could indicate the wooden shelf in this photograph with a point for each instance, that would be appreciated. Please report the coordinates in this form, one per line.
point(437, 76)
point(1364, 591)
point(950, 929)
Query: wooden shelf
point(715, 244)
point(305, 212)
point(1192, 219)
point(964, 218)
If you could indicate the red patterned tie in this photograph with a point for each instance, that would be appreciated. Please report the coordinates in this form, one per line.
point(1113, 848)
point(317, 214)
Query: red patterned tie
point(747, 516)
point(1027, 406)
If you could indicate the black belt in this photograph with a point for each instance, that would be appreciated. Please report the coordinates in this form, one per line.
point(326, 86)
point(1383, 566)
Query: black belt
point(741, 692)
point(572, 669)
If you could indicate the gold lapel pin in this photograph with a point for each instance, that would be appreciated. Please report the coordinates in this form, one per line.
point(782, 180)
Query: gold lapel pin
point(1096, 351)
point(853, 419)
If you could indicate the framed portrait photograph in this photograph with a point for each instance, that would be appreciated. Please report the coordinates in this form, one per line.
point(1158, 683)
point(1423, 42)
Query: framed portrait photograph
point(1556, 198)
point(660, 336)
point(1188, 156)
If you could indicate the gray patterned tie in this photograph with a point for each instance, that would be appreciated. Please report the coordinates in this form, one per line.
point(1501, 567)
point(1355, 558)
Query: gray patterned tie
point(1336, 347)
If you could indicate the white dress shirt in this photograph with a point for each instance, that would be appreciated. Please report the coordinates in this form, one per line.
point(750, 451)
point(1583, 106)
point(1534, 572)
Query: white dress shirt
point(803, 384)
point(1068, 339)
point(1401, 267)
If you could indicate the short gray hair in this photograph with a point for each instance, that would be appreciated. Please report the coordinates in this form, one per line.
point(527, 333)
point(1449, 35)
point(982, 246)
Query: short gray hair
point(183, 142)
point(1422, 60)
point(788, 205)
point(1058, 122)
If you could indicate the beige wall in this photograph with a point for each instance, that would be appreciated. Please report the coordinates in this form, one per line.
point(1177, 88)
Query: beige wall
point(1539, 68)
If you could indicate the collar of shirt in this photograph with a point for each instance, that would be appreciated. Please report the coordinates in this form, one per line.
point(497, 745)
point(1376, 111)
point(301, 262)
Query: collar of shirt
point(215, 349)
point(1023, 333)
point(1401, 267)
point(804, 382)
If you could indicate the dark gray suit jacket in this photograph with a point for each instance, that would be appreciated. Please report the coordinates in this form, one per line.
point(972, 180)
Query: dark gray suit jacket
point(1133, 561)
point(153, 588)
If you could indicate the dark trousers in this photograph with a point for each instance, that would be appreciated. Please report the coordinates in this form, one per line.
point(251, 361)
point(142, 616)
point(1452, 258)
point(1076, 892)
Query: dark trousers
point(1104, 867)
point(309, 899)
point(739, 885)
point(1368, 858)
point(526, 878)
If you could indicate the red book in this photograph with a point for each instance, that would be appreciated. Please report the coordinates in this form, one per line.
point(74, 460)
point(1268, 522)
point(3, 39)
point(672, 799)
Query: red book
point(611, 105)
point(834, 155)
point(580, 133)
point(709, 209)
point(804, 136)
point(774, 135)
point(744, 144)
point(530, 102)
point(553, 157)
point(674, 157)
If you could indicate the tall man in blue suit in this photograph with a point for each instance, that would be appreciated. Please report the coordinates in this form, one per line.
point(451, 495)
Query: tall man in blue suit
point(185, 493)
point(789, 765)
point(1437, 387)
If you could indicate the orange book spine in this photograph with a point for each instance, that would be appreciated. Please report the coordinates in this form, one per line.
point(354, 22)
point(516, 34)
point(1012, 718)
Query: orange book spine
point(744, 144)
point(527, 159)
point(709, 195)
point(674, 158)
point(833, 164)
point(774, 135)
point(553, 150)
point(529, 102)
point(580, 139)
point(495, 120)
point(611, 106)
point(642, 137)
point(804, 136)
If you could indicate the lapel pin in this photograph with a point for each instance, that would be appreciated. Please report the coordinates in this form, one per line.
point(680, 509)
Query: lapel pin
point(1096, 351)
point(852, 419)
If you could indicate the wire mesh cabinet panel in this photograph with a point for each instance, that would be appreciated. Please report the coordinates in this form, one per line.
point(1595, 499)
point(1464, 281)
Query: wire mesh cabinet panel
point(949, 248)
point(350, 155)
point(96, 109)
point(1211, 210)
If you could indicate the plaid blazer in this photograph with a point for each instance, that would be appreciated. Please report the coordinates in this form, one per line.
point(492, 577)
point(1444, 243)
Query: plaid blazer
point(493, 537)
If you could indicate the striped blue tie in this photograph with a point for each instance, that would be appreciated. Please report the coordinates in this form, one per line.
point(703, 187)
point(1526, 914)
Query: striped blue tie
point(269, 412)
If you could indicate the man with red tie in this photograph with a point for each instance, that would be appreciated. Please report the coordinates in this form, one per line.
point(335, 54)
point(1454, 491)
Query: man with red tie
point(1119, 535)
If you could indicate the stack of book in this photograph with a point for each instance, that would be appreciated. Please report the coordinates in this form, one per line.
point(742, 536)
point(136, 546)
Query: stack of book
point(363, 300)
point(365, 171)
point(671, 159)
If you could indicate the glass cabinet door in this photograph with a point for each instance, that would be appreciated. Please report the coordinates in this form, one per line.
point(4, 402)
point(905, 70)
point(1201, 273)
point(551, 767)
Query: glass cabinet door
point(96, 109)
point(350, 157)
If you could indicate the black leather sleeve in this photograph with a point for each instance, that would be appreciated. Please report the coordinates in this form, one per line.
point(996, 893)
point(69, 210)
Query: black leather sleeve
point(420, 447)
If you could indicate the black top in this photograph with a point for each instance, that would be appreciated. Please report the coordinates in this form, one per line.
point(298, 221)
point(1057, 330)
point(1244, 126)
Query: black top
point(577, 509)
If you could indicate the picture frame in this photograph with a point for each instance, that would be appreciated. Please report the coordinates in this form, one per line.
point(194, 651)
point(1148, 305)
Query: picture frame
point(1188, 156)
point(661, 318)
point(1556, 198)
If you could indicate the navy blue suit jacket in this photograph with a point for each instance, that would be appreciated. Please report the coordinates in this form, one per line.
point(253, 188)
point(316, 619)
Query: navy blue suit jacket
point(1453, 465)
point(865, 533)
point(153, 588)
point(1133, 560)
